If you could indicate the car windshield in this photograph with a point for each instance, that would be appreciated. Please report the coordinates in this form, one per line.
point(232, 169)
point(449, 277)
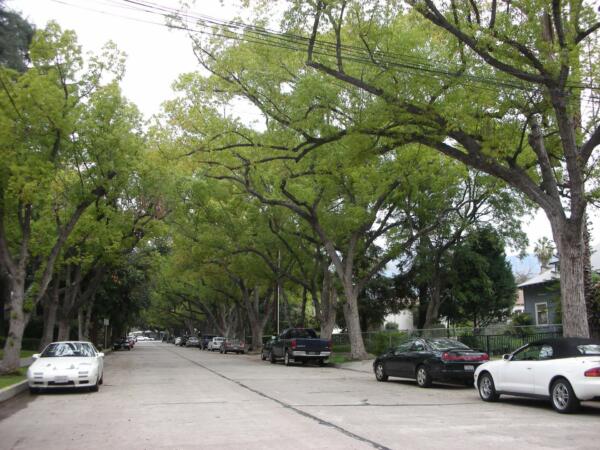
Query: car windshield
point(589, 349)
point(65, 349)
point(447, 344)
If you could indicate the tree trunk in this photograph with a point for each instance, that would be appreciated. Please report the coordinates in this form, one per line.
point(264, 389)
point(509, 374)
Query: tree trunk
point(64, 328)
point(303, 308)
point(327, 306)
point(435, 302)
point(16, 326)
point(357, 346)
point(329, 314)
point(84, 332)
point(50, 312)
point(568, 236)
point(286, 308)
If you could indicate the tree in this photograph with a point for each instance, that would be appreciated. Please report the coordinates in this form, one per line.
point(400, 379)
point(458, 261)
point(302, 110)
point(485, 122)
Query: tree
point(68, 138)
point(543, 250)
point(518, 115)
point(16, 34)
point(482, 288)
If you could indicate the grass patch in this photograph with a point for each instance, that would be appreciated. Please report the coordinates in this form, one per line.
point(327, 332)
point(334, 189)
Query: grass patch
point(24, 353)
point(9, 380)
point(339, 359)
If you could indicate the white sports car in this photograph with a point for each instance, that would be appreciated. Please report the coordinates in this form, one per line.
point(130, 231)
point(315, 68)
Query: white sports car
point(563, 370)
point(66, 364)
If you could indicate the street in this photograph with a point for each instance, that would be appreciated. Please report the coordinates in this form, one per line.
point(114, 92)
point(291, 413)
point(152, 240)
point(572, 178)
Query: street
point(162, 396)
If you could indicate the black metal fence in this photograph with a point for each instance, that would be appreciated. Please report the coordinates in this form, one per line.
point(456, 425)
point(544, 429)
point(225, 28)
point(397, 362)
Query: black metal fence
point(494, 341)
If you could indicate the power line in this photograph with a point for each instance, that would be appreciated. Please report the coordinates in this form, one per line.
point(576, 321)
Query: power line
point(241, 32)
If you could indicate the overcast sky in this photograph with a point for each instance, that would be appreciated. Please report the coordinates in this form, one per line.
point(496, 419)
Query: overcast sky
point(157, 55)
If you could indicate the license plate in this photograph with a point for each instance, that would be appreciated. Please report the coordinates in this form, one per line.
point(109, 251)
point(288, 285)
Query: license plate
point(61, 380)
point(313, 353)
point(469, 368)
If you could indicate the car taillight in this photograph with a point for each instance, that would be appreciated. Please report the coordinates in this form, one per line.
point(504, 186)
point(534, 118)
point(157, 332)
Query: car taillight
point(449, 357)
point(595, 372)
point(293, 343)
point(452, 357)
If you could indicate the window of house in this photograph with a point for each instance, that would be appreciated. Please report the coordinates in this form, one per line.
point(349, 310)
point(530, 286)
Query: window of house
point(541, 313)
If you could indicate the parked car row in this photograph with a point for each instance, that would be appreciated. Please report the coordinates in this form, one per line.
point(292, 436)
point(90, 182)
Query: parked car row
point(565, 371)
point(212, 343)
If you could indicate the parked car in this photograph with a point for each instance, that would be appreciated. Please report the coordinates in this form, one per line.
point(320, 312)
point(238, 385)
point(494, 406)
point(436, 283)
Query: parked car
point(177, 340)
point(215, 343)
point(122, 344)
point(429, 360)
point(193, 341)
point(563, 370)
point(233, 346)
point(69, 364)
point(183, 341)
point(206, 338)
point(299, 345)
point(266, 348)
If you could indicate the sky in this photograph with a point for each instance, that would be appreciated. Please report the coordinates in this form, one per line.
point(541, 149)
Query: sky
point(157, 56)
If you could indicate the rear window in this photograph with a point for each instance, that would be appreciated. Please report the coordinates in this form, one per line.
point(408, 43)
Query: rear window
point(447, 344)
point(300, 333)
point(589, 349)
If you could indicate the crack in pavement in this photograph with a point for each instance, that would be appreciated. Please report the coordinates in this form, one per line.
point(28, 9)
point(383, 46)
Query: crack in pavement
point(287, 405)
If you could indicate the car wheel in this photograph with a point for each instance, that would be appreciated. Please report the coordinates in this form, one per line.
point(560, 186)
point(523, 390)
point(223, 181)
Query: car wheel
point(423, 377)
point(286, 359)
point(380, 374)
point(95, 387)
point(263, 357)
point(486, 388)
point(321, 362)
point(562, 397)
point(101, 380)
point(34, 391)
point(243, 352)
point(272, 358)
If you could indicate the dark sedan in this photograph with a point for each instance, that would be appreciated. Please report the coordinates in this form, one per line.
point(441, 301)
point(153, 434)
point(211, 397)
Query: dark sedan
point(429, 360)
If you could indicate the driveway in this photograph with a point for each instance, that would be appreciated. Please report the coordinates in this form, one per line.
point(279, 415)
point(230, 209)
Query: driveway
point(162, 396)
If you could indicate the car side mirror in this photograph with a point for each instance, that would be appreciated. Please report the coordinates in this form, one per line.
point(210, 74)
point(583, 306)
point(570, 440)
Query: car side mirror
point(35, 356)
point(506, 357)
point(101, 355)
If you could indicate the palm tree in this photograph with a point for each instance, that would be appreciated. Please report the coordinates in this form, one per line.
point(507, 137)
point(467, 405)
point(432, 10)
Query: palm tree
point(543, 250)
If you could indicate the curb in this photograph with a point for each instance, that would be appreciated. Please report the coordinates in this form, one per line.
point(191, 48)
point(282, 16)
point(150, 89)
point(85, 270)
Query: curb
point(10, 391)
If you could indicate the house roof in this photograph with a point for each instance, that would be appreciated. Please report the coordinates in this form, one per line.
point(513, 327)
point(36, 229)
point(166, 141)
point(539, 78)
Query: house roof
point(544, 277)
point(550, 274)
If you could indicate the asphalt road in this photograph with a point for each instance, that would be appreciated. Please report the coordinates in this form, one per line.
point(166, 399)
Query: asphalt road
point(162, 396)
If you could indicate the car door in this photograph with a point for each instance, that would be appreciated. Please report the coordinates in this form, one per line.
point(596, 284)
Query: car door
point(413, 358)
point(278, 345)
point(393, 364)
point(518, 372)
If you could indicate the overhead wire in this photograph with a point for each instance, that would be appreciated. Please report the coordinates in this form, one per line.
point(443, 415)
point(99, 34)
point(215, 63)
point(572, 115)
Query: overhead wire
point(242, 32)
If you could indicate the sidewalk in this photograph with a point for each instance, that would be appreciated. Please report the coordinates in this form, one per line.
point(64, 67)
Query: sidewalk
point(357, 366)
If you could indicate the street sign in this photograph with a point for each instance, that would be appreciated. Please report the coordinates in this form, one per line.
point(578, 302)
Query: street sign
point(106, 322)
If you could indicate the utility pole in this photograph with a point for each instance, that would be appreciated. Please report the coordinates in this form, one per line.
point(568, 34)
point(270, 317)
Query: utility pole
point(278, 270)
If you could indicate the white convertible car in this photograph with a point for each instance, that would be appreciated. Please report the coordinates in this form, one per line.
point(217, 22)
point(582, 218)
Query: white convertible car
point(66, 364)
point(563, 370)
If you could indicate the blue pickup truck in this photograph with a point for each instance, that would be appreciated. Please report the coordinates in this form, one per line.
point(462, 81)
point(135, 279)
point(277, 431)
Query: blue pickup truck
point(299, 345)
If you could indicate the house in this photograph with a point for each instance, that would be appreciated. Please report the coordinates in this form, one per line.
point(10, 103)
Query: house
point(541, 294)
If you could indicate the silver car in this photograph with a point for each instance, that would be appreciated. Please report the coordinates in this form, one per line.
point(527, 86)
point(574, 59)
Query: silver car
point(215, 343)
